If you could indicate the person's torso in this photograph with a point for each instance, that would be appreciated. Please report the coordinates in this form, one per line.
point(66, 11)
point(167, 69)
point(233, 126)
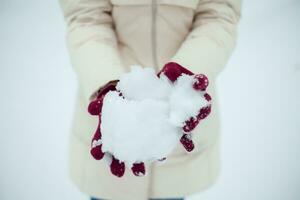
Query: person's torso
point(150, 32)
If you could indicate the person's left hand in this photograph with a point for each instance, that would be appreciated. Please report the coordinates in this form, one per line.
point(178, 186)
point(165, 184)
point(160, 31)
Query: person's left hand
point(173, 70)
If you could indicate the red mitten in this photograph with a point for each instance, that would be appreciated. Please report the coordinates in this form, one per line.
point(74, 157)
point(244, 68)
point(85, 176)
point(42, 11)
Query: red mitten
point(173, 70)
point(116, 167)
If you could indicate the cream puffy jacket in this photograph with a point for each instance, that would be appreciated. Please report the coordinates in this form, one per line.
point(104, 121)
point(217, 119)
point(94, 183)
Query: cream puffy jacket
point(104, 38)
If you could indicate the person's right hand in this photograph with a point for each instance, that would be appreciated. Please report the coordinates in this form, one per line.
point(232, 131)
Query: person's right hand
point(116, 166)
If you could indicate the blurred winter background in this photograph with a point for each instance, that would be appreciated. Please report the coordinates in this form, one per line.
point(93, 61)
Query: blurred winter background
point(259, 93)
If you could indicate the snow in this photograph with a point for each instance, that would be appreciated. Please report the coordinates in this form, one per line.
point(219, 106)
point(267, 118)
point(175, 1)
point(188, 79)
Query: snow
point(142, 83)
point(96, 143)
point(145, 123)
point(131, 129)
point(184, 100)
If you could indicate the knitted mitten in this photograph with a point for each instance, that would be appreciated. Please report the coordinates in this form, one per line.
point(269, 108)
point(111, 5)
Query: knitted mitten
point(173, 70)
point(116, 167)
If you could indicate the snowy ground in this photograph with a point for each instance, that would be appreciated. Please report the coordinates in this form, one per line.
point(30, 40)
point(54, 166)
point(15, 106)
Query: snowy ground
point(259, 93)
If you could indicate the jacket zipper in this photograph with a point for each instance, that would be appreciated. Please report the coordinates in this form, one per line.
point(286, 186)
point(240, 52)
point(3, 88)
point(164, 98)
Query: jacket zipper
point(153, 34)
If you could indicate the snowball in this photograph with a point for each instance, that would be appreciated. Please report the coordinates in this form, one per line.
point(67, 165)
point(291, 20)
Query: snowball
point(143, 83)
point(136, 131)
point(145, 122)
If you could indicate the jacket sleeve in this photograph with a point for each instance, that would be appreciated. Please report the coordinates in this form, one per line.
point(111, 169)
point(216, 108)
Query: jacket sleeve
point(92, 43)
point(208, 46)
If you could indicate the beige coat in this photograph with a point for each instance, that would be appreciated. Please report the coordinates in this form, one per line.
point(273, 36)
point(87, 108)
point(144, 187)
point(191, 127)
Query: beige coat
point(104, 38)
